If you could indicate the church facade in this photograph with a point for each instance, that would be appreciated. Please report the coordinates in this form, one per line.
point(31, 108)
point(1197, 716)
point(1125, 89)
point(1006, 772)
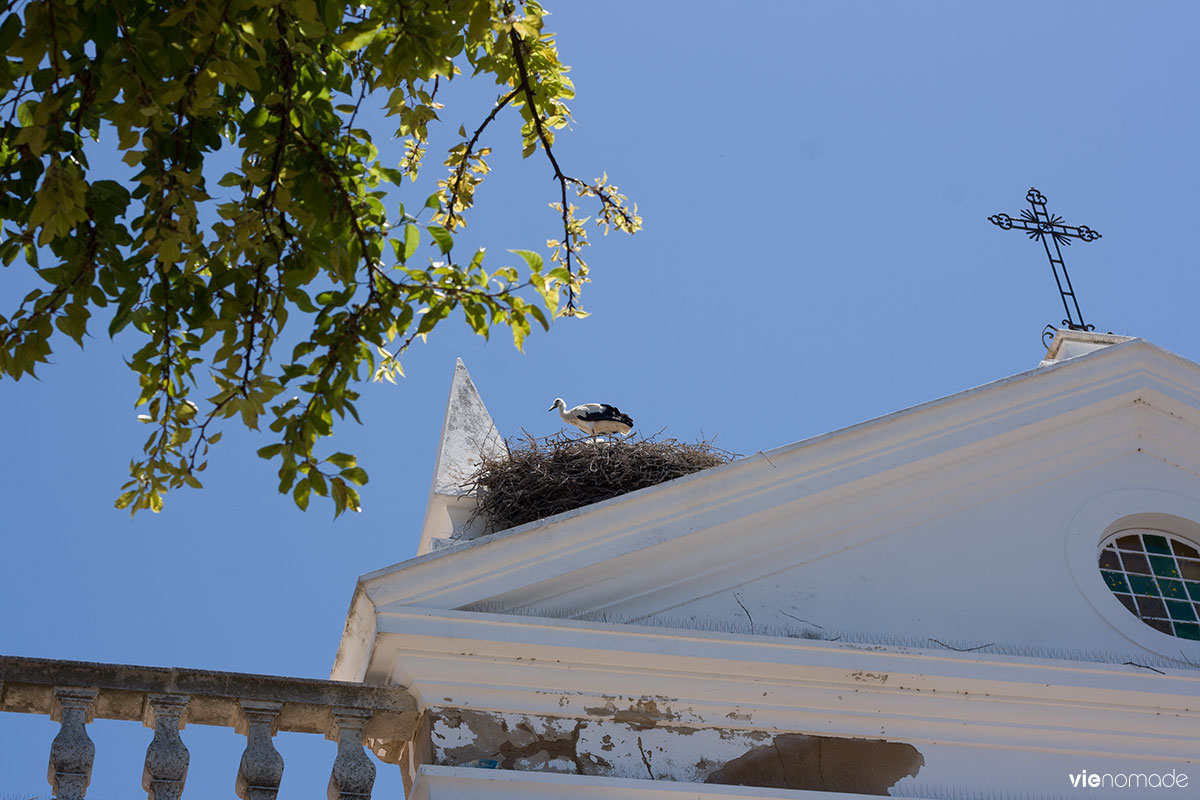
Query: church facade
point(994, 594)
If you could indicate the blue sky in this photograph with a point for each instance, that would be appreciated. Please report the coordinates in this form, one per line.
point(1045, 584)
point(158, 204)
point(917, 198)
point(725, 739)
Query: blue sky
point(815, 180)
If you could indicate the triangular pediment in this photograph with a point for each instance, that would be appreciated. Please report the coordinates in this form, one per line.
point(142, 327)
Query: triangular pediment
point(969, 521)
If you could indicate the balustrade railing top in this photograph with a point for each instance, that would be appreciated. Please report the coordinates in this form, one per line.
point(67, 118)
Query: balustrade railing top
point(166, 699)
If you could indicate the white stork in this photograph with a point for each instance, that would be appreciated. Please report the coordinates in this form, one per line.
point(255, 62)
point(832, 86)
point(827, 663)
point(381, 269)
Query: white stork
point(594, 418)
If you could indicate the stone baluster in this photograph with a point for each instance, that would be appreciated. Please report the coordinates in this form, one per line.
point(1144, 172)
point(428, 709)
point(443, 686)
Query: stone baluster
point(72, 752)
point(261, 768)
point(353, 772)
point(167, 757)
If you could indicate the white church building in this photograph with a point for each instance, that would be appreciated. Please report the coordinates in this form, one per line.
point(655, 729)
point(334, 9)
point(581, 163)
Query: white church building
point(992, 595)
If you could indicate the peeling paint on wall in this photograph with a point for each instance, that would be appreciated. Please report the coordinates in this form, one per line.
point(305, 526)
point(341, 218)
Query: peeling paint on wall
point(643, 739)
point(826, 763)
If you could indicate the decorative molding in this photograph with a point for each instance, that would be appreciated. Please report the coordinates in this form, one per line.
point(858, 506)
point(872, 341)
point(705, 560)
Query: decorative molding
point(467, 783)
point(576, 669)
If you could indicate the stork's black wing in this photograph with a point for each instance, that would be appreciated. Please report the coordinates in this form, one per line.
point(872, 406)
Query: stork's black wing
point(607, 412)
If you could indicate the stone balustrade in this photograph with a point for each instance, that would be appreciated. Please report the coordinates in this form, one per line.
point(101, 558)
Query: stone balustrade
point(74, 693)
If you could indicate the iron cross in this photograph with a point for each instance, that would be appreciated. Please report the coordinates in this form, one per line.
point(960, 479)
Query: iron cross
point(1037, 224)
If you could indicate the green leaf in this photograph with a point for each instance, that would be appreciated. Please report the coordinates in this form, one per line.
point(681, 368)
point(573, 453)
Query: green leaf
point(443, 238)
point(342, 460)
point(412, 240)
point(270, 451)
point(356, 475)
point(10, 29)
point(300, 494)
point(532, 259)
point(357, 41)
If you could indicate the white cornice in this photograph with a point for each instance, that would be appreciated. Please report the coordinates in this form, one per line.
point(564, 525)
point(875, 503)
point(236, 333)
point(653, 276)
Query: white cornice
point(1022, 414)
point(466, 783)
point(697, 679)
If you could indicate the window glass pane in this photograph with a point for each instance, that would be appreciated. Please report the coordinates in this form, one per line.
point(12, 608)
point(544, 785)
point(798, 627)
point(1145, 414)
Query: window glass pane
point(1156, 544)
point(1135, 562)
point(1109, 560)
point(1189, 570)
point(1172, 589)
point(1115, 581)
point(1143, 585)
point(1151, 607)
point(1164, 566)
point(1187, 630)
point(1184, 550)
point(1180, 610)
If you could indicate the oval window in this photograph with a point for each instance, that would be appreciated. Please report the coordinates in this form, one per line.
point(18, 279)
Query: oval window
point(1156, 575)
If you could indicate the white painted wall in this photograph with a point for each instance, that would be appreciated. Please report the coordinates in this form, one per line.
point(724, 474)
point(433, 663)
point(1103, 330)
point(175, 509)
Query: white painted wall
point(995, 571)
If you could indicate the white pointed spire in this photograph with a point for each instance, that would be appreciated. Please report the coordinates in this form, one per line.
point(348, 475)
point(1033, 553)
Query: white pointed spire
point(468, 433)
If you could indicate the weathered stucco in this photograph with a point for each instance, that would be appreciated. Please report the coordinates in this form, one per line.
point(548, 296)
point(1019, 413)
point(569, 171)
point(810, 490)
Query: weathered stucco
point(826, 763)
point(641, 741)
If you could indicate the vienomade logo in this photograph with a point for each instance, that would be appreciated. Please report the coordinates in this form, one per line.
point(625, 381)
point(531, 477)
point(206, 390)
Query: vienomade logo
point(1128, 780)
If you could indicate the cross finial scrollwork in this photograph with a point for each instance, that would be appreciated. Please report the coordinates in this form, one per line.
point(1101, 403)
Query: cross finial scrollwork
point(1039, 224)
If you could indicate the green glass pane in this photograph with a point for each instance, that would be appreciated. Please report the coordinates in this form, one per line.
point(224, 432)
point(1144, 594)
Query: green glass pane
point(1143, 585)
point(1115, 581)
point(1156, 544)
point(1194, 591)
point(1171, 588)
point(1187, 630)
point(1181, 609)
point(1164, 566)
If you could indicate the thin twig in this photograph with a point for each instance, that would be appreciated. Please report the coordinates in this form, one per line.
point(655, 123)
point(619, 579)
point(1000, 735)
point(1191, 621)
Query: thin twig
point(452, 199)
point(806, 622)
point(743, 605)
point(1143, 666)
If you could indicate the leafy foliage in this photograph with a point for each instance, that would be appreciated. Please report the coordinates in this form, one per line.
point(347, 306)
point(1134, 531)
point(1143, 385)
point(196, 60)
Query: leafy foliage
point(209, 280)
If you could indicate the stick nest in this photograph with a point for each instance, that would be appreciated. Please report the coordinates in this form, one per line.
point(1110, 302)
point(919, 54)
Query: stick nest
point(541, 477)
